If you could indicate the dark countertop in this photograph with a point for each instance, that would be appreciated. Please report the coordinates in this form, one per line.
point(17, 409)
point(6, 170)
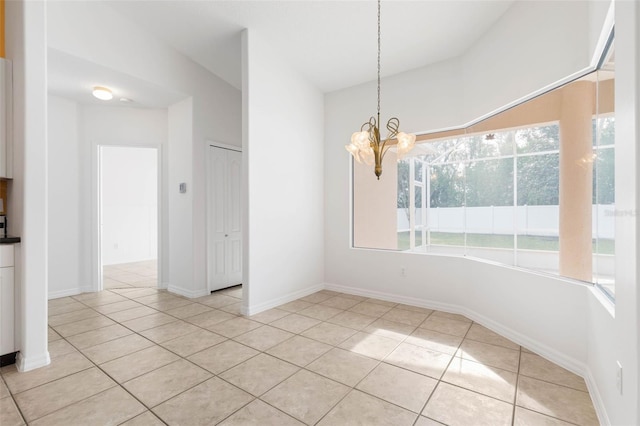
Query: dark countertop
point(9, 240)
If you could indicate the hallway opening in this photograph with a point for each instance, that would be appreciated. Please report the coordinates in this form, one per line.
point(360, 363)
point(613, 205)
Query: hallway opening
point(128, 216)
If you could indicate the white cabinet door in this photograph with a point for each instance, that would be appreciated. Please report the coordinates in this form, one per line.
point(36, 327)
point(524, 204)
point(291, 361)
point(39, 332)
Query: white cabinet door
point(7, 344)
point(225, 218)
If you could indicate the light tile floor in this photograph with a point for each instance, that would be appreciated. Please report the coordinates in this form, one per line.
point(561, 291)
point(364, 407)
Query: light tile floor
point(141, 356)
point(134, 274)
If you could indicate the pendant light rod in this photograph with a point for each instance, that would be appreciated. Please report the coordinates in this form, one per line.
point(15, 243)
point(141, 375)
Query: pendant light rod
point(379, 1)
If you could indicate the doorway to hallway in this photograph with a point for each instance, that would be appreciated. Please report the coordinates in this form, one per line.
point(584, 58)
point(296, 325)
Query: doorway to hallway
point(128, 216)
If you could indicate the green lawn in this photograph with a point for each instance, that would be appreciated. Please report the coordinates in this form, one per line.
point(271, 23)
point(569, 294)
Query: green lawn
point(525, 242)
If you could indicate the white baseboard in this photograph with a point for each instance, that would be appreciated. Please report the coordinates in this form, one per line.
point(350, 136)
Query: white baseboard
point(596, 398)
point(541, 349)
point(164, 286)
point(31, 363)
point(191, 294)
point(256, 309)
point(68, 292)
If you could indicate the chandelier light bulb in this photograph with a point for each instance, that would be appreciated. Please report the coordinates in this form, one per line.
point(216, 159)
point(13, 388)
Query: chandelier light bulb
point(361, 139)
point(406, 142)
point(353, 150)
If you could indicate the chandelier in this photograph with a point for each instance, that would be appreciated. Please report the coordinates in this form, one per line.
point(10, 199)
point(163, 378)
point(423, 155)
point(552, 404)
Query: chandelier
point(366, 145)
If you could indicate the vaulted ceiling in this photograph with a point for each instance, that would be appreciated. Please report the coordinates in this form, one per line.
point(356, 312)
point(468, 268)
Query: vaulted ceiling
point(332, 43)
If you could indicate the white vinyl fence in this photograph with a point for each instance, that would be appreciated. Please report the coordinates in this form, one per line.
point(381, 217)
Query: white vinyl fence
point(528, 220)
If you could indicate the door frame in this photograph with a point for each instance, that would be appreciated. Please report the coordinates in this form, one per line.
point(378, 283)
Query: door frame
point(209, 225)
point(97, 283)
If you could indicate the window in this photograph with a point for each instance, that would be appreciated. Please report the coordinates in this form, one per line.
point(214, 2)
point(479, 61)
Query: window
point(531, 187)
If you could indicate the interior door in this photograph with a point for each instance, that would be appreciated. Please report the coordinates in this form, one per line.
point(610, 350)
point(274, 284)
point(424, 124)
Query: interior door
point(234, 218)
point(225, 218)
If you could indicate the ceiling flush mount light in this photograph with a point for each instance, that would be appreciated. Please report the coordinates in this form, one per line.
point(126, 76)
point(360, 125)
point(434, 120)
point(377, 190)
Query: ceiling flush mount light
point(366, 145)
point(102, 93)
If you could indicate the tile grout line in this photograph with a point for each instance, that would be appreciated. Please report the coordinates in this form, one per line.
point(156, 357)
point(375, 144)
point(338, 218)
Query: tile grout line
point(15, 403)
point(118, 384)
point(381, 361)
point(155, 369)
point(515, 393)
point(150, 409)
point(313, 372)
point(444, 371)
point(234, 337)
point(515, 397)
point(57, 379)
point(351, 388)
point(361, 330)
point(158, 311)
point(555, 384)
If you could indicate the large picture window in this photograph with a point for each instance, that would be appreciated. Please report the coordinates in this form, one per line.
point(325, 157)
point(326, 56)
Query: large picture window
point(532, 187)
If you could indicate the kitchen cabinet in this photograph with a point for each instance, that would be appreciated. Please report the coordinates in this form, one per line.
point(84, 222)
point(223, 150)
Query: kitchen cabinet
point(7, 299)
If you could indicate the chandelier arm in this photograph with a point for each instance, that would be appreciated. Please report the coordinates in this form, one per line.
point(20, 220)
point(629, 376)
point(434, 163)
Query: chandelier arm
point(368, 124)
point(393, 126)
point(383, 149)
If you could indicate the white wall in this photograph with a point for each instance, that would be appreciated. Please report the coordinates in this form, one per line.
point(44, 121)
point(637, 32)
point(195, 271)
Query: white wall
point(104, 125)
point(613, 334)
point(96, 32)
point(283, 155)
point(532, 46)
point(551, 37)
point(64, 201)
point(75, 132)
point(129, 204)
point(28, 192)
point(181, 233)
point(455, 92)
point(109, 126)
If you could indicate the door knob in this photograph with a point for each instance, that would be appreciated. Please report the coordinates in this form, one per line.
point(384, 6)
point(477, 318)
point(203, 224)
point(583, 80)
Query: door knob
point(226, 235)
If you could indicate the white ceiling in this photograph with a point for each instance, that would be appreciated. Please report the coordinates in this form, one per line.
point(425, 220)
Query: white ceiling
point(74, 78)
point(333, 43)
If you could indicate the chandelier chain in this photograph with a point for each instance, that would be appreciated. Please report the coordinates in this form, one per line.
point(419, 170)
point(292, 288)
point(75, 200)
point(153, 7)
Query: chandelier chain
point(378, 60)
